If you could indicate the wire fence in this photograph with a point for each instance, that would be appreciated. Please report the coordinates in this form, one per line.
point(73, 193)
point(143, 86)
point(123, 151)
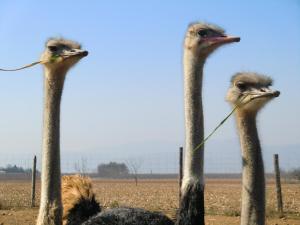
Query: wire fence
point(153, 163)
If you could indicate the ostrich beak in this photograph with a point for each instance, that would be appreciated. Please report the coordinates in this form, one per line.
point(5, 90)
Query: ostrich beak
point(224, 39)
point(264, 93)
point(75, 53)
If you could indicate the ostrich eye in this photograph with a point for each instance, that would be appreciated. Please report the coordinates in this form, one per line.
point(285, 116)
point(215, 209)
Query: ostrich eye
point(203, 33)
point(241, 86)
point(52, 48)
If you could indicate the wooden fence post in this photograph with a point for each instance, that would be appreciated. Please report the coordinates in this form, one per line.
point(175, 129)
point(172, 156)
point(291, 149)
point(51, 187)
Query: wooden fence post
point(278, 185)
point(180, 170)
point(33, 182)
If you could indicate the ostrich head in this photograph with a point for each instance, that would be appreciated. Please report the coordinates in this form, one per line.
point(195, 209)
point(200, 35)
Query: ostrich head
point(250, 91)
point(61, 54)
point(203, 39)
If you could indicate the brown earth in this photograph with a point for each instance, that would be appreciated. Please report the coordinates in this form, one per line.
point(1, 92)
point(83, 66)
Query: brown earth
point(222, 200)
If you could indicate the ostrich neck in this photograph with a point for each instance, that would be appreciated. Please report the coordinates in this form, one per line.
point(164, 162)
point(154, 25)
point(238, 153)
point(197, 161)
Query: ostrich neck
point(191, 208)
point(253, 181)
point(51, 207)
point(194, 131)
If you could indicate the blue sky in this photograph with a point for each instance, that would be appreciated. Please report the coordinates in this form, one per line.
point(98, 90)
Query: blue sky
point(128, 91)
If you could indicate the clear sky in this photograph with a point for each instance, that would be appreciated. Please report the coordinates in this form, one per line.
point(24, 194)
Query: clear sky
point(129, 90)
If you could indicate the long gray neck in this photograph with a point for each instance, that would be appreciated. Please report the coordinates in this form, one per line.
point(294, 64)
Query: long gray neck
point(253, 190)
point(194, 131)
point(50, 212)
point(191, 209)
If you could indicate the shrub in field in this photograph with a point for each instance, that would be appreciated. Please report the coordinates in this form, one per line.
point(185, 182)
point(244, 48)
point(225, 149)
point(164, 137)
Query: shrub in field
point(112, 169)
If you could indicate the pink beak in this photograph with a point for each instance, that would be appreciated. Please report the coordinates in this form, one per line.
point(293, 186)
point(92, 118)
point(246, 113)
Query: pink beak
point(222, 39)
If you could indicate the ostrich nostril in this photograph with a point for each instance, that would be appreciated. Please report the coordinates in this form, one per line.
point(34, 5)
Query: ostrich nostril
point(262, 90)
point(276, 93)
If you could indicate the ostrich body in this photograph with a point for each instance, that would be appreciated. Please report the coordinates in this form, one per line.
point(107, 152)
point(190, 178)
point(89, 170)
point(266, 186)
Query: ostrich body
point(129, 216)
point(81, 208)
point(59, 56)
point(251, 92)
point(200, 41)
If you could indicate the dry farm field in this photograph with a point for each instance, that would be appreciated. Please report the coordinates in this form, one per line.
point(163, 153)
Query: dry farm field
point(223, 199)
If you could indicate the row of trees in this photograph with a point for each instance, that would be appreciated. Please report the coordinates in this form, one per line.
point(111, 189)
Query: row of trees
point(113, 169)
point(123, 170)
point(291, 174)
point(14, 169)
point(120, 170)
point(130, 168)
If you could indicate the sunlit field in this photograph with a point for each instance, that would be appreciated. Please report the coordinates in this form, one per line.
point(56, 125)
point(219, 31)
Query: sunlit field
point(223, 199)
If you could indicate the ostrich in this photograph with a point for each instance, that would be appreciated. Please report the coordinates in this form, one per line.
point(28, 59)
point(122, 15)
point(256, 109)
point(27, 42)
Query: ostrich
point(59, 56)
point(249, 92)
point(81, 208)
point(200, 41)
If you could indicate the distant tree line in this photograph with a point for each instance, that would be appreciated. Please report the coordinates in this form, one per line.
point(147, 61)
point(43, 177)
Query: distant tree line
point(113, 170)
point(14, 169)
point(291, 174)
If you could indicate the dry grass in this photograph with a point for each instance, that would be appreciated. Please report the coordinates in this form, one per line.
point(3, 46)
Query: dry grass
point(155, 196)
point(15, 194)
point(222, 196)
